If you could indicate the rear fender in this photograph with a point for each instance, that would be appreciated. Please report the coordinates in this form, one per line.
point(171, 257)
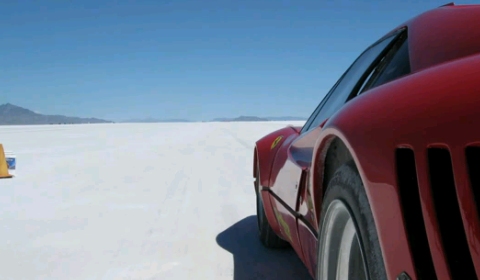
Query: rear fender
point(265, 151)
point(377, 170)
point(399, 114)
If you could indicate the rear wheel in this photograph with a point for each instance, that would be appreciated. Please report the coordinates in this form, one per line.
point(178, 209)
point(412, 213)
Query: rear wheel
point(265, 232)
point(348, 246)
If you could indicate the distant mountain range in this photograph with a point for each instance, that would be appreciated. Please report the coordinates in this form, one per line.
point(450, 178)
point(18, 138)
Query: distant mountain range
point(14, 115)
point(153, 120)
point(237, 119)
point(286, 118)
point(258, 119)
point(241, 119)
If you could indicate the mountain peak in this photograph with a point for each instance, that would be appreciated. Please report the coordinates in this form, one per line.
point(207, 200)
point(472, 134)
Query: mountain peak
point(10, 109)
point(15, 115)
point(9, 105)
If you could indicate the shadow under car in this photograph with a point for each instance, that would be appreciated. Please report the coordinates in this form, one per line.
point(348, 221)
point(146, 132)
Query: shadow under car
point(253, 261)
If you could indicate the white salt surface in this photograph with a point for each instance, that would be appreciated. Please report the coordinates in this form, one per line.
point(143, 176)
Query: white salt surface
point(135, 201)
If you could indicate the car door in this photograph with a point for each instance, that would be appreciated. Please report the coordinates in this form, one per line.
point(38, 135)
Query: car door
point(290, 189)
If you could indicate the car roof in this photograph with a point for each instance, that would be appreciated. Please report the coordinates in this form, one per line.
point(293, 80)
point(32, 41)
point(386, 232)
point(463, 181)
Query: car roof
point(443, 34)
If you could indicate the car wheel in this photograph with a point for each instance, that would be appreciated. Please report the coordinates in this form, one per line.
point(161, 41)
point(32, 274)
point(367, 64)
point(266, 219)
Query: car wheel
point(348, 246)
point(265, 232)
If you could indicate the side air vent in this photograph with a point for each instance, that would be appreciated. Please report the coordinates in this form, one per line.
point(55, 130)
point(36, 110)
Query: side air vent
point(449, 219)
point(412, 211)
point(473, 163)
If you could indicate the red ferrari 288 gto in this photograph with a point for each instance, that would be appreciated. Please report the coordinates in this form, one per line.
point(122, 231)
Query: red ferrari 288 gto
point(383, 180)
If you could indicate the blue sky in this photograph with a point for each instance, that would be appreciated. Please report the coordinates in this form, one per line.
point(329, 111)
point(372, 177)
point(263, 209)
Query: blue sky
point(193, 59)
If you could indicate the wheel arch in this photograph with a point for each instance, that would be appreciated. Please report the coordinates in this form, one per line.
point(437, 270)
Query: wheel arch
point(333, 149)
point(336, 155)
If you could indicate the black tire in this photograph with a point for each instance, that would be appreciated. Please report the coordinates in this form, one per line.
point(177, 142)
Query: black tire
point(265, 232)
point(346, 185)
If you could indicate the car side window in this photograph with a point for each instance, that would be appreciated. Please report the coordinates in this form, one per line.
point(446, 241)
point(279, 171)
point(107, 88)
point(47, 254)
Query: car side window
point(393, 66)
point(350, 80)
point(315, 112)
point(312, 116)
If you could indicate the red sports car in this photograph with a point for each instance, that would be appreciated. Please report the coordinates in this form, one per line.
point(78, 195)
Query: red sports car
point(383, 180)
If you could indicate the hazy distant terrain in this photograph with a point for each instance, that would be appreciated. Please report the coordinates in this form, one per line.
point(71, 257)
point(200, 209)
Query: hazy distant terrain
point(14, 115)
point(241, 119)
point(237, 119)
point(258, 119)
point(153, 120)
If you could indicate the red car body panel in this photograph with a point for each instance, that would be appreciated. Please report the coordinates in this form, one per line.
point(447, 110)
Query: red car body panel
point(265, 154)
point(442, 35)
point(455, 107)
point(437, 105)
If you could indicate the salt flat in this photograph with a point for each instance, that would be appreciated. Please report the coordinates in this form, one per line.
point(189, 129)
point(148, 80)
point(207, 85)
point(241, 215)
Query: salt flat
point(135, 201)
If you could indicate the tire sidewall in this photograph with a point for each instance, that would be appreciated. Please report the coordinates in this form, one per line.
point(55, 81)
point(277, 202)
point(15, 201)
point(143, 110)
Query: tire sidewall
point(346, 185)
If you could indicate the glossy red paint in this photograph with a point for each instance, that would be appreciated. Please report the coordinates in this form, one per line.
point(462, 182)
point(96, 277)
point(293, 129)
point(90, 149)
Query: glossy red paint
point(296, 128)
point(268, 204)
point(438, 105)
point(301, 152)
point(442, 34)
point(265, 155)
point(287, 223)
point(451, 92)
point(309, 246)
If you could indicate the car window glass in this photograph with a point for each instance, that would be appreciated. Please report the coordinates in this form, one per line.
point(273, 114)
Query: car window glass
point(398, 66)
point(369, 78)
point(350, 80)
point(394, 64)
point(312, 117)
point(314, 114)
